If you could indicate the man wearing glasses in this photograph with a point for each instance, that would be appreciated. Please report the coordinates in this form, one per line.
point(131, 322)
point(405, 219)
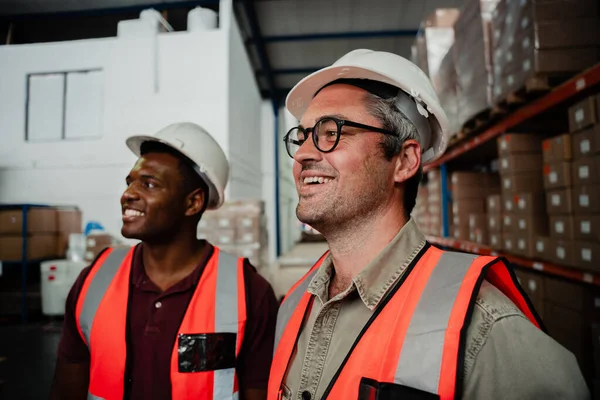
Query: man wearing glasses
point(383, 314)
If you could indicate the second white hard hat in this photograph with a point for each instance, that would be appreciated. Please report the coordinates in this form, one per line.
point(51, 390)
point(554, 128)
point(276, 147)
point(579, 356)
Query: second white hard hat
point(201, 148)
point(387, 68)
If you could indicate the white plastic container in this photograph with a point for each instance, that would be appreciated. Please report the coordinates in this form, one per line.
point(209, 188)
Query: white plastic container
point(57, 277)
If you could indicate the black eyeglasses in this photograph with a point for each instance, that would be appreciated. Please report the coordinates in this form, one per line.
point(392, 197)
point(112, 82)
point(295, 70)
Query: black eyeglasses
point(325, 134)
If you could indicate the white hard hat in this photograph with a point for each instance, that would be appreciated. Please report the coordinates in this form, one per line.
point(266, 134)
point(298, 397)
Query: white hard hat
point(201, 148)
point(424, 110)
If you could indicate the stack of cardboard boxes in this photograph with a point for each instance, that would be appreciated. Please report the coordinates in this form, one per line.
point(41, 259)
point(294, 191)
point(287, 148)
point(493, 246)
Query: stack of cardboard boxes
point(48, 229)
point(434, 202)
point(569, 311)
point(557, 173)
point(584, 125)
point(537, 38)
point(469, 194)
point(238, 227)
point(420, 212)
point(523, 214)
point(494, 220)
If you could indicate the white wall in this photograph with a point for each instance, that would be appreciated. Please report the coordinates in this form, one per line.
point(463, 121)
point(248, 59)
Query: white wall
point(244, 123)
point(149, 82)
point(288, 198)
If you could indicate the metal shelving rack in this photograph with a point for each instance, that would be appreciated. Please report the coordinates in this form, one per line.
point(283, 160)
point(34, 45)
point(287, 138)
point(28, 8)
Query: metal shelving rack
point(24, 262)
point(569, 90)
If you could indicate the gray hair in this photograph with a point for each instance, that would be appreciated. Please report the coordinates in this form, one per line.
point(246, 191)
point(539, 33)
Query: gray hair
point(393, 120)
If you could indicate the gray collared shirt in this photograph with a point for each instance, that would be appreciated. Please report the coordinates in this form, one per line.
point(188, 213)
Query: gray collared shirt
point(506, 356)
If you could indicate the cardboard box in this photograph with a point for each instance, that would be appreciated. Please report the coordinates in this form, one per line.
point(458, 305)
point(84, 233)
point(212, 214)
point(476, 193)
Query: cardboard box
point(467, 206)
point(586, 199)
point(248, 235)
point(495, 222)
point(586, 171)
point(587, 256)
point(496, 241)
point(587, 228)
point(69, 220)
point(561, 252)
point(531, 224)
point(97, 242)
point(583, 114)
point(509, 223)
point(514, 143)
point(542, 248)
point(508, 203)
point(514, 163)
point(587, 142)
point(39, 220)
point(522, 182)
point(39, 246)
point(562, 227)
point(461, 232)
point(222, 237)
point(528, 203)
point(494, 204)
point(473, 192)
point(508, 242)
point(560, 202)
point(525, 245)
point(558, 175)
point(557, 149)
point(469, 179)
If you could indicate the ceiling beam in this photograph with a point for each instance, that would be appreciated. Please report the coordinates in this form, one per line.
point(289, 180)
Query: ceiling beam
point(339, 35)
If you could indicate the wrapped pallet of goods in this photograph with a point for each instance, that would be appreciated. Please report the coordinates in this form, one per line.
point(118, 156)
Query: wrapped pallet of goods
point(538, 43)
point(472, 59)
point(445, 85)
point(238, 227)
point(436, 35)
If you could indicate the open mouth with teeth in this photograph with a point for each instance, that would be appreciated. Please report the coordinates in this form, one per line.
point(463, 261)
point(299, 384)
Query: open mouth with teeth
point(131, 213)
point(315, 180)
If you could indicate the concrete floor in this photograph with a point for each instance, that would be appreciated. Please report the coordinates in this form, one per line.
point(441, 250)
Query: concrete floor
point(27, 357)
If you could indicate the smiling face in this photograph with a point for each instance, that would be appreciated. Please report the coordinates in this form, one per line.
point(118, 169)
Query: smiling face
point(154, 204)
point(355, 179)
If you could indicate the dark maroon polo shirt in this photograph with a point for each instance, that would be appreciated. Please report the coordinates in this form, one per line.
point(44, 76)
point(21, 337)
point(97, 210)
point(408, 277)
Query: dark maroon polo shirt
point(154, 321)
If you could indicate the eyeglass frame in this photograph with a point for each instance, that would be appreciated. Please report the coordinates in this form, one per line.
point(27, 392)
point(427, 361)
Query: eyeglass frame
point(339, 123)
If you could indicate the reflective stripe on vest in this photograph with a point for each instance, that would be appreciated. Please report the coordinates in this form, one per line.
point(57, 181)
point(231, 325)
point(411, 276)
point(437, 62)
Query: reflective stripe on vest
point(426, 332)
point(220, 295)
point(414, 336)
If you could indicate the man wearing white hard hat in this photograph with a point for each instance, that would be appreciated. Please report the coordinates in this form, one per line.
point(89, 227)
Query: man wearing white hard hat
point(173, 317)
point(384, 314)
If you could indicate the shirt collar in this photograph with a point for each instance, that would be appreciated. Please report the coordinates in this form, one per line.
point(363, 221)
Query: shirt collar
point(380, 274)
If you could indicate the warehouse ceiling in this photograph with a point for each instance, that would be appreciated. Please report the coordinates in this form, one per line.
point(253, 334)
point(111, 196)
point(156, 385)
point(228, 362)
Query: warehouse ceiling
point(285, 39)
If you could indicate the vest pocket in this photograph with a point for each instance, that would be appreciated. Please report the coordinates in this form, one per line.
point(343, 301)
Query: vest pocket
point(200, 352)
point(370, 389)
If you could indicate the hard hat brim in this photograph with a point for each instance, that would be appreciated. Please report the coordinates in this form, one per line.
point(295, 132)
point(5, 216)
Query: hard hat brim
point(135, 145)
point(303, 92)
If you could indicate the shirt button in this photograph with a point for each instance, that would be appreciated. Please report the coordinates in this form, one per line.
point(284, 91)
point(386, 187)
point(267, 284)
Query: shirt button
point(306, 395)
point(158, 304)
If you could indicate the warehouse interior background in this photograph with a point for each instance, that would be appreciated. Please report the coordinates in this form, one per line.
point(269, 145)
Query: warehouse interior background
point(519, 80)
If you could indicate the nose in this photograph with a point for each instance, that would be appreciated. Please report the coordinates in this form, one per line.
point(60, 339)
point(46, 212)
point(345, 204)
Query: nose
point(130, 194)
point(308, 152)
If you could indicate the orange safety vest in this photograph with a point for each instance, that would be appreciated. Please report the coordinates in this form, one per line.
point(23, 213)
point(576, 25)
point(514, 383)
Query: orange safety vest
point(218, 305)
point(416, 336)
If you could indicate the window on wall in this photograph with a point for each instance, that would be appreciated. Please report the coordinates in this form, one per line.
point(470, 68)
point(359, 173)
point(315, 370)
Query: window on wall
point(64, 106)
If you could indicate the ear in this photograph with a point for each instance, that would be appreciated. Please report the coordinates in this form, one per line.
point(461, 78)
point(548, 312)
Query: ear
point(407, 161)
point(195, 202)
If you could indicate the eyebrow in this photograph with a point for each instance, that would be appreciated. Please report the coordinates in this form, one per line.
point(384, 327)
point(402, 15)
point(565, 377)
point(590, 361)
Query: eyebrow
point(336, 116)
